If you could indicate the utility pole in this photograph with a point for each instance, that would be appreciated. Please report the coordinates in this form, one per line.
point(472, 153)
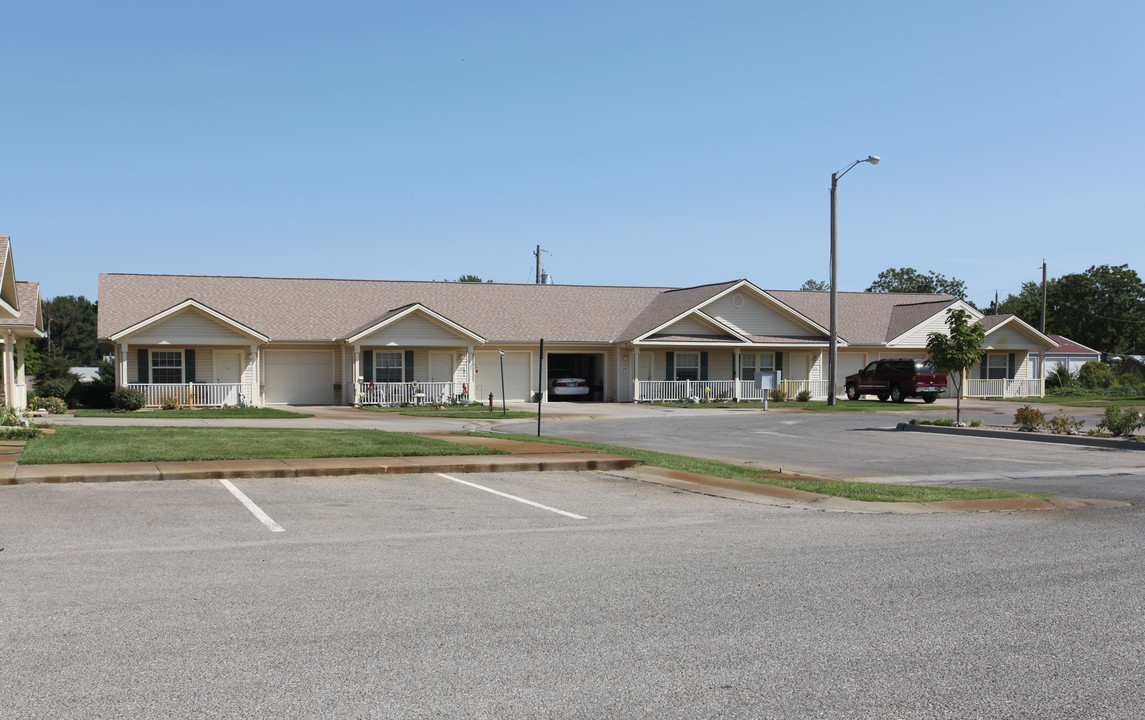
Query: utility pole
point(1043, 296)
point(538, 254)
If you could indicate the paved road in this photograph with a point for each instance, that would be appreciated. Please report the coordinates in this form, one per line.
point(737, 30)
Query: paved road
point(410, 597)
point(853, 445)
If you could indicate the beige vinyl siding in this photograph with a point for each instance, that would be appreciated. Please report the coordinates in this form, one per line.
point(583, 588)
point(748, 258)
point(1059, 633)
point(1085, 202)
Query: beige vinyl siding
point(1008, 338)
point(754, 317)
point(187, 328)
point(692, 326)
point(413, 330)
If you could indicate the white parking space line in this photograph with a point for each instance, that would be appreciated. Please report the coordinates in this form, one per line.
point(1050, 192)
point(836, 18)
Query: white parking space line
point(255, 509)
point(512, 497)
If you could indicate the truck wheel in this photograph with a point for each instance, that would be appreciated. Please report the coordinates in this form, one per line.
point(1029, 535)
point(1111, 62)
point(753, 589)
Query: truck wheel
point(883, 397)
point(928, 399)
point(852, 392)
point(896, 394)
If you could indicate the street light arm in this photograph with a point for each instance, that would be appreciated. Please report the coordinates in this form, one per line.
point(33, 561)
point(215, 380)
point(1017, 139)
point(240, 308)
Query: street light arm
point(872, 159)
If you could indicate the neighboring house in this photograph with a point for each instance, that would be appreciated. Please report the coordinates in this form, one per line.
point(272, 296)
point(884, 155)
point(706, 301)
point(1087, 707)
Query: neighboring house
point(21, 318)
point(1133, 365)
point(1070, 354)
point(312, 341)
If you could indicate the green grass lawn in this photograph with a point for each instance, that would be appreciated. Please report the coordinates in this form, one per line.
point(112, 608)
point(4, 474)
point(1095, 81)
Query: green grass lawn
point(81, 444)
point(201, 413)
point(866, 492)
point(477, 412)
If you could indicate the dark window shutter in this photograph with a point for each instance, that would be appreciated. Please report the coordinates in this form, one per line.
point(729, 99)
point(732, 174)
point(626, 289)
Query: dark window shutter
point(982, 367)
point(407, 369)
point(189, 366)
point(669, 366)
point(779, 361)
point(1012, 370)
point(144, 365)
point(368, 365)
point(704, 366)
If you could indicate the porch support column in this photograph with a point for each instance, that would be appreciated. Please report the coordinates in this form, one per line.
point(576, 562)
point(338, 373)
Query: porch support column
point(470, 359)
point(121, 365)
point(9, 369)
point(356, 374)
point(21, 379)
point(735, 374)
point(636, 374)
point(255, 376)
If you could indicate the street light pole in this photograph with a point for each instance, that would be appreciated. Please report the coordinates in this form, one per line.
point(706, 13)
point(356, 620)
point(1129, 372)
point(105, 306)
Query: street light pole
point(833, 347)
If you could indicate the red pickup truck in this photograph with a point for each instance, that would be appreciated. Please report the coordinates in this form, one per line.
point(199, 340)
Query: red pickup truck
point(897, 379)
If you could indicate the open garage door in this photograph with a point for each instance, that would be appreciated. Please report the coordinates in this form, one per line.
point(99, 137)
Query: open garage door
point(589, 366)
point(488, 377)
point(299, 377)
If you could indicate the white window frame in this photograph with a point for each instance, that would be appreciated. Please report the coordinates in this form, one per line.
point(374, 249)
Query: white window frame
point(400, 367)
point(681, 366)
point(991, 366)
point(152, 367)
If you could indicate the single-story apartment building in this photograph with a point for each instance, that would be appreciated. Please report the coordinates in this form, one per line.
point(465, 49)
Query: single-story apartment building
point(21, 318)
point(1070, 354)
point(274, 341)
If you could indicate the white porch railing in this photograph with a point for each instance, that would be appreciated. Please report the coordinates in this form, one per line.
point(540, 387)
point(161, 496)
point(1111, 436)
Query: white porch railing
point(194, 394)
point(380, 393)
point(720, 390)
point(1016, 387)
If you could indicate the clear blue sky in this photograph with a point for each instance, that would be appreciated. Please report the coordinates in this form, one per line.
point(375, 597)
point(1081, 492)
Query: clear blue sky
point(639, 143)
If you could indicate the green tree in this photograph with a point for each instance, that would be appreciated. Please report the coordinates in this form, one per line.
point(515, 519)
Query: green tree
point(72, 324)
point(816, 286)
point(1102, 308)
point(909, 280)
point(470, 278)
point(957, 352)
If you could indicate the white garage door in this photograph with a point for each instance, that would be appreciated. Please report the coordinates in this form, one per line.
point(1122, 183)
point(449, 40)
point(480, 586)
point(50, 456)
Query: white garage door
point(488, 377)
point(299, 377)
point(849, 364)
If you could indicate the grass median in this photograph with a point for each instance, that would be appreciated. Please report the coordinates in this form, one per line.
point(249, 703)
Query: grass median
point(72, 445)
point(806, 405)
point(196, 414)
point(862, 491)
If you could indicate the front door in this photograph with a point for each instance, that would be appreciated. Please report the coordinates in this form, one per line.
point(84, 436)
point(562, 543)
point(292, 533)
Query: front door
point(228, 370)
point(644, 368)
point(440, 367)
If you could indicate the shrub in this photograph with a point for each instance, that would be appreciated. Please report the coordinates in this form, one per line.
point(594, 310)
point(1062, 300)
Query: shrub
point(52, 404)
point(975, 423)
point(803, 396)
point(1121, 422)
point(89, 395)
point(173, 403)
point(1062, 425)
point(128, 399)
point(1061, 376)
point(1095, 375)
point(1029, 418)
point(778, 394)
point(19, 433)
point(55, 387)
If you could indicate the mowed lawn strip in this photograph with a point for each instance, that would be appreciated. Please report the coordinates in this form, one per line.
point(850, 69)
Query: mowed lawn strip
point(477, 412)
point(198, 413)
point(866, 492)
point(176, 444)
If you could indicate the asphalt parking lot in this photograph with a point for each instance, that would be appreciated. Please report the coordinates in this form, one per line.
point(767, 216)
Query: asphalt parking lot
point(422, 596)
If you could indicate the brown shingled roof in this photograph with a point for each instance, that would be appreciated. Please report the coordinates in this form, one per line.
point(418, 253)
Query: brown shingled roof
point(30, 315)
point(311, 309)
point(865, 318)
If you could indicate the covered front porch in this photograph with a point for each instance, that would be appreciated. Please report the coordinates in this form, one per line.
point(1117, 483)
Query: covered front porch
point(726, 374)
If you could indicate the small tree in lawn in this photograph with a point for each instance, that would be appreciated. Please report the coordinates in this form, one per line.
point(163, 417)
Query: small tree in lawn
point(957, 352)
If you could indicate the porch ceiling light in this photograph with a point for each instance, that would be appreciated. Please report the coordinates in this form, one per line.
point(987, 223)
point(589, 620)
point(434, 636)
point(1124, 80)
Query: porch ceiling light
point(833, 352)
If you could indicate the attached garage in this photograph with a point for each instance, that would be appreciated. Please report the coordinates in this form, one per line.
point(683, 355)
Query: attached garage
point(589, 366)
point(487, 379)
point(299, 377)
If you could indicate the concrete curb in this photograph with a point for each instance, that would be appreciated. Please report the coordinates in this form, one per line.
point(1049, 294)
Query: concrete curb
point(311, 467)
point(1112, 443)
